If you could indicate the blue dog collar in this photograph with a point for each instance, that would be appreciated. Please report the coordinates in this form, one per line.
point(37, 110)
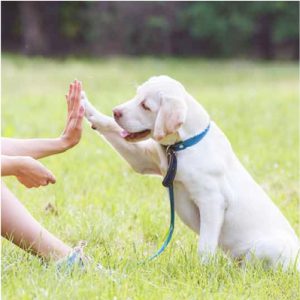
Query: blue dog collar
point(191, 141)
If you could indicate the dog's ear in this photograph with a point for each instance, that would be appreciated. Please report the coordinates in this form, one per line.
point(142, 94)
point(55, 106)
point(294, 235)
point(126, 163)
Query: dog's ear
point(170, 117)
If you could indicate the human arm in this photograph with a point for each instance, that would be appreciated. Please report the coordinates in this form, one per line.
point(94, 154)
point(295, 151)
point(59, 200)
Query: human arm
point(38, 148)
point(27, 170)
point(21, 228)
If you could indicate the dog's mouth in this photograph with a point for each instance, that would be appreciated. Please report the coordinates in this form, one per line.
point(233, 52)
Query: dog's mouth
point(135, 136)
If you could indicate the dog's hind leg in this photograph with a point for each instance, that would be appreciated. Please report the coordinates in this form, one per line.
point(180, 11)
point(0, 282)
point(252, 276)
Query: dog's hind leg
point(275, 252)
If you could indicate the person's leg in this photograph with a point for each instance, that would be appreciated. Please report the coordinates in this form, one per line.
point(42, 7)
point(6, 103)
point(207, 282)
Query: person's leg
point(22, 229)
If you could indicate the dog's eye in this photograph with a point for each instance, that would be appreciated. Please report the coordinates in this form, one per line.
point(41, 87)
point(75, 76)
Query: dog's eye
point(144, 106)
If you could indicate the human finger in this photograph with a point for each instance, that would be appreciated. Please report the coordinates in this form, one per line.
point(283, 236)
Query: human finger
point(78, 122)
point(51, 178)
point(68, 103)
point(74, 90)
point(44, 183)
point(77, 96)
point(30, 184)
point(70, 90)
point(71, 96)
point(68, 98)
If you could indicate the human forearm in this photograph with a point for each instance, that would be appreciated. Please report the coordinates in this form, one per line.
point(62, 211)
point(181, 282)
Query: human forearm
point(36, 148)
point(29, 171)
point(10, 165)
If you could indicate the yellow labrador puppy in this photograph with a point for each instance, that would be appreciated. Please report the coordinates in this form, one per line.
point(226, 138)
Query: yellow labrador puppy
point(214, 194)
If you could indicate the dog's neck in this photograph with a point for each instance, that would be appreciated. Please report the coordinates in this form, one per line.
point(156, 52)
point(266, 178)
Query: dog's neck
point(197, 120)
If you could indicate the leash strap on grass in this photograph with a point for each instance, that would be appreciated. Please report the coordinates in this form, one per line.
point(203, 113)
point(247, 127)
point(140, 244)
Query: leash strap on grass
point(168, 182)
point(171, 228)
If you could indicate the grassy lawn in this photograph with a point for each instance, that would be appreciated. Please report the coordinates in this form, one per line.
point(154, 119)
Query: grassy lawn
point(123, 215)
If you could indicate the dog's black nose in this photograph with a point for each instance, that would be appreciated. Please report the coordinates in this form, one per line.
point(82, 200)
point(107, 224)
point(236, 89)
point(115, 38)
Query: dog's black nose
point(117, 114)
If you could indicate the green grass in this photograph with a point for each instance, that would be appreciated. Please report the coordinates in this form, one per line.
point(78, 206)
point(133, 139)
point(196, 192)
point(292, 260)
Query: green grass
point(123, 215)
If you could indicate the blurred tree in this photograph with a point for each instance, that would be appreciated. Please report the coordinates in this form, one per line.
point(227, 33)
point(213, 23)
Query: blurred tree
point(285, 31)
point(224, 28)
point(34, 39)
point(215, 29)
point(130, 27)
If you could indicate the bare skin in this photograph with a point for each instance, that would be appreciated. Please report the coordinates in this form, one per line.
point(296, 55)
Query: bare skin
point(27, 170)
point(19, 159)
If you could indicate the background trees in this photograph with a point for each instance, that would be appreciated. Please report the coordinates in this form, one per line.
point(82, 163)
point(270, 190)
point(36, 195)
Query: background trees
point(213, 29)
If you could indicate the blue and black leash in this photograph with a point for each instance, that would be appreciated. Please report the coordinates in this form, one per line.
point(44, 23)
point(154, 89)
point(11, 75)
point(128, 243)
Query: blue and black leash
point(169, 179)
point(168, 182)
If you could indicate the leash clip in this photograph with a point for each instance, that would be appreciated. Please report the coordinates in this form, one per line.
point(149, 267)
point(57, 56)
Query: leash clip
point(169, 151)
point(172, 167)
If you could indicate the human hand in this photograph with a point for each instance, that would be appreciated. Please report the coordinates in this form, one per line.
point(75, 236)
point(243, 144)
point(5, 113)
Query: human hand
point(32, 173)
point(72, 133)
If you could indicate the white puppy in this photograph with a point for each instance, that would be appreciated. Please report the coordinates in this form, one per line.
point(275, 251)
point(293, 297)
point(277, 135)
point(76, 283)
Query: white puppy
point(214, 194)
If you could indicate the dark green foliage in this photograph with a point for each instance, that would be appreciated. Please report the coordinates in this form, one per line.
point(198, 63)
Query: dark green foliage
point(214, 29)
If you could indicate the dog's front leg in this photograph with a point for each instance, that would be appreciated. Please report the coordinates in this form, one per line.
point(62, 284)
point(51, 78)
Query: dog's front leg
point(143, 156)
point(99, 121)
point(211, 221)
